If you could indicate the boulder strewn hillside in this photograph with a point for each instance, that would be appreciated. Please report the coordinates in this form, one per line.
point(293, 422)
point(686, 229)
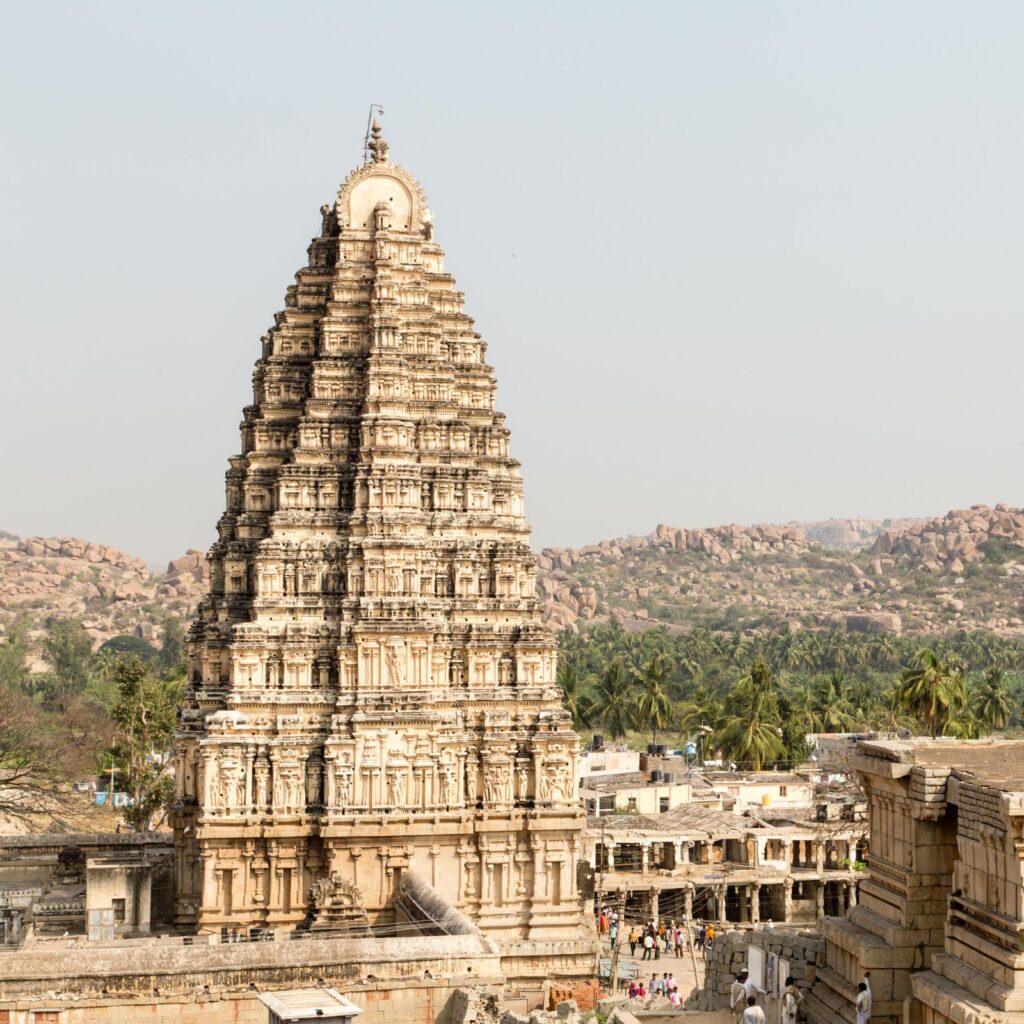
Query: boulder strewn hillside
point(960, 538)
point(961, 571)
point(109, 591)
point(913, 577)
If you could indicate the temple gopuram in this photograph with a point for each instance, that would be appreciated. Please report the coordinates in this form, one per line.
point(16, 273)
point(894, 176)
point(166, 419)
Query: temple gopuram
point(371, 692)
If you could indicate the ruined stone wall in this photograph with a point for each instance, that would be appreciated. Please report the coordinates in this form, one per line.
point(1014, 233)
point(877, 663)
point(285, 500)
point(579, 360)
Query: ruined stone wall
point(804, 951)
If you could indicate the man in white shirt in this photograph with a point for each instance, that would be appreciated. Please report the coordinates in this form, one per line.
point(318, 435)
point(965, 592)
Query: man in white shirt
point(753, 1014)
point(752, 989)
point(863, 1004)
point(738, 997)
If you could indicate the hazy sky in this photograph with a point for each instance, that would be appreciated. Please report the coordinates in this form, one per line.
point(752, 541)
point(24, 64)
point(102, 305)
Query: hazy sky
point(734, 261)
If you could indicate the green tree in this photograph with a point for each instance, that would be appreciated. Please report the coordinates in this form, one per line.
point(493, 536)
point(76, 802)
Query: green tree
point(833, 711)
point(14, 660)
point(933, 689)
point(125, 644)
point(172, 645)
point(68, 649)
point(575, 684)
point(614, 700)
point(752, 735)
point(144, 716)
point(653, 703)
point(990, 700)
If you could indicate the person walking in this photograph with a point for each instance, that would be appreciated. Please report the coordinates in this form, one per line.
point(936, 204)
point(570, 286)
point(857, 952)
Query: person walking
point(863, 1004)
point(648, 946)
point(632, 941)
point(790, 1002)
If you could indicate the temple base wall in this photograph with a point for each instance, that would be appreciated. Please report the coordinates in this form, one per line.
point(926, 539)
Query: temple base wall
point(409, 979)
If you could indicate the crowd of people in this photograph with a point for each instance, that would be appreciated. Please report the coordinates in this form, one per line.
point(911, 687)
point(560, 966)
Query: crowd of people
point(654, 938)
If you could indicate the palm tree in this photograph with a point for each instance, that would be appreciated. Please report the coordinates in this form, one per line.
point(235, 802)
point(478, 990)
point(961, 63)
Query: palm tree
point(752, 734)
point(933, 689)
point(575, 684)
point(653, 703)
point(832, 708)
point(888, 714)
point(614, 700)
point(990, 700)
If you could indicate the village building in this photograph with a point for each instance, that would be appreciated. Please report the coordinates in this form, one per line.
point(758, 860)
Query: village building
point(939, 923)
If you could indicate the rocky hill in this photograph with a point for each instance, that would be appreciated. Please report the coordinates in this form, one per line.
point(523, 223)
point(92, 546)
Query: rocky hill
point(964, 570)
point(109, 591)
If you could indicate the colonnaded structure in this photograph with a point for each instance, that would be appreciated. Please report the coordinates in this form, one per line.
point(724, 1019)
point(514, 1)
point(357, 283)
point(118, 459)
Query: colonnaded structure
point(371, 691)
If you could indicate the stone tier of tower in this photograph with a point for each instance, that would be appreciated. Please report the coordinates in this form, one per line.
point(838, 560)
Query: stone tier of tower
point(370, 688)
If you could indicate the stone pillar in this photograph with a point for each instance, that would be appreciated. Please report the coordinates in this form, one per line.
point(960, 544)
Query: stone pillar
point(787, 853)
point(209, 901)
point(819, 856)
point(609, 854)
point(820, 899)
point(688, 903)
point(851, 894)
point(720, 896)
point(787, 901)
point(645, 849)
point(743, 891)
point(851, 854)
point(654, 904)
point(755, 903)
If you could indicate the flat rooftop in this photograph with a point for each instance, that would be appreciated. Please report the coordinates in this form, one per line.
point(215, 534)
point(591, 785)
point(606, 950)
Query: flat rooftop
point(998, 764)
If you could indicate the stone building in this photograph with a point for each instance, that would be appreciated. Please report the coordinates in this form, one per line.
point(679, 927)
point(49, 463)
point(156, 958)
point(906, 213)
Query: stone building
point(96, 885)
point(371, 691)
point(701, 864)
point(940, 919)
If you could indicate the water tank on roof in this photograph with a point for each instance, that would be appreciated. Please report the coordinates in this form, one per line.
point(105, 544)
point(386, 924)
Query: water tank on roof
point(766, 800)
point(652, 748)
point(668, 777)
point(662, 750)
point(597, 742)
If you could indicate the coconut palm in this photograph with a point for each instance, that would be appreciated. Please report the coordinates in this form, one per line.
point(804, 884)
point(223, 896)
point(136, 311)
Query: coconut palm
point(575, 684)
point(751, 735)
point(833, 710)
point(614, 700)
point(990, 700)
point(653, 703)
point(934, 690)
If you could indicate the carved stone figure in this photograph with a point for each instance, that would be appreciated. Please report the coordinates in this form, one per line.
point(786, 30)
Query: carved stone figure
point(394, 670)
point(447, 784)
point(396, 787)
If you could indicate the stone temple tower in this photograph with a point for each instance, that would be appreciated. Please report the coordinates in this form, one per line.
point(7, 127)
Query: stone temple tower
point(370, 688)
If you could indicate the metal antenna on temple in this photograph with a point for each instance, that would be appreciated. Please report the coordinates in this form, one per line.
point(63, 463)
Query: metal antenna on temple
point(369, 122)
